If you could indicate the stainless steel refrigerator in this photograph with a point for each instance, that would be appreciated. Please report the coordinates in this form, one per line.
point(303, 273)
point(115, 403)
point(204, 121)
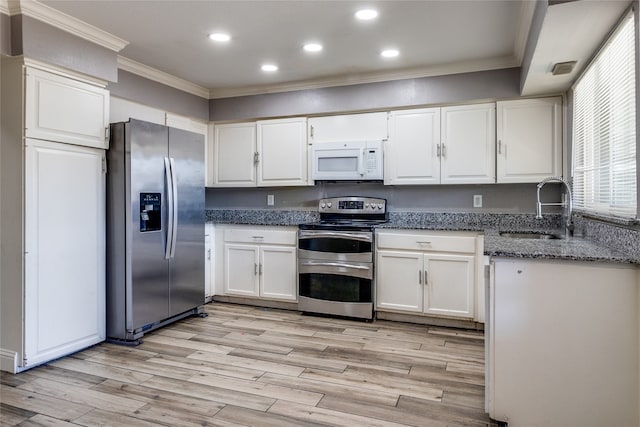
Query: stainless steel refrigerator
point(155, 227)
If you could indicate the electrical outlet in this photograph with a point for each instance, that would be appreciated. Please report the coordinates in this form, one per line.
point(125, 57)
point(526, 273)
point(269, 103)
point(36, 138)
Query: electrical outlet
point(477, 200)
point(271, 200)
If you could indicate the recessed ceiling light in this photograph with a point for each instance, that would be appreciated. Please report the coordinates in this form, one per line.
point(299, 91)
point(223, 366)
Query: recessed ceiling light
point(366, 14)
point(312, 47)
point(220, 37)
point(389, 53)
point(269, 67)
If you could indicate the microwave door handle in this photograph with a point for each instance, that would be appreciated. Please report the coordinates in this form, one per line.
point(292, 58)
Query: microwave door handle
point(361, 162)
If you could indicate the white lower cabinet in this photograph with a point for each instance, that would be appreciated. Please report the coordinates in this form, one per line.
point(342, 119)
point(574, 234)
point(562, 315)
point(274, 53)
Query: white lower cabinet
point(422, 273)
point(260, 262)
point(561, 337)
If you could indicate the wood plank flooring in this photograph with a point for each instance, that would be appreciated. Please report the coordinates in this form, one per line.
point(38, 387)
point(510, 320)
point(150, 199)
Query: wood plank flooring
point(248, 366)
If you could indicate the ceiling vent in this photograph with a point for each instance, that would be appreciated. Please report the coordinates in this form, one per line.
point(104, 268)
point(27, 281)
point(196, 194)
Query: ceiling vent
point(563, 68)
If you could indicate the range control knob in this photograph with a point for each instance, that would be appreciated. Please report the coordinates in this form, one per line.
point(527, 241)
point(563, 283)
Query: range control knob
point(329, 204)
point(323, 205)
point(379, 205)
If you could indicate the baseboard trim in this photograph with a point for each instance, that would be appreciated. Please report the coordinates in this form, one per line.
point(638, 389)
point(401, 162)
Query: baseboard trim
point(8, 361)
point(256, 302)
point(429, 320)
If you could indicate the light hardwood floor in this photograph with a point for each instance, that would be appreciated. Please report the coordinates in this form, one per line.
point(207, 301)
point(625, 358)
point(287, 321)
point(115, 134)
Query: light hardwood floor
point(248, 366)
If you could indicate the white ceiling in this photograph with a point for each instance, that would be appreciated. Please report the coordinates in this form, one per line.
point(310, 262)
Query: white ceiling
point(433, 37)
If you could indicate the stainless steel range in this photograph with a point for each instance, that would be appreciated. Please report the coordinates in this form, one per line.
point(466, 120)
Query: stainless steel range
point(335, 257)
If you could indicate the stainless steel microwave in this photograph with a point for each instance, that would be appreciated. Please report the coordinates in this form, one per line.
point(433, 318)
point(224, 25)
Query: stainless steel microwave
point(347, 161)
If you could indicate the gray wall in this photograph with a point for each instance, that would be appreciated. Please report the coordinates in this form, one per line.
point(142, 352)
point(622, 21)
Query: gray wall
point(454, 88)
point(144, 91)
point(5, 34)
point(514, 198)
point(48, 44)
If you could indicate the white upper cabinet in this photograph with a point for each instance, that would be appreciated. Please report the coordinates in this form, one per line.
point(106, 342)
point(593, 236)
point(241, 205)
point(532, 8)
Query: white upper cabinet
point(234, 155)
point(468, 135)
point(266, 153)
point(65, 110)
point(282, 152)
point(412, 151)
point(529, 139)
point(349, 127)
point(451, 145)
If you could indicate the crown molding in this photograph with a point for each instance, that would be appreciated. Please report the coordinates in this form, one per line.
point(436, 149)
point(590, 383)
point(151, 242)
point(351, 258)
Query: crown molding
point(10, 7)
point(150, 73)
point(62, 21)
point(438, 70)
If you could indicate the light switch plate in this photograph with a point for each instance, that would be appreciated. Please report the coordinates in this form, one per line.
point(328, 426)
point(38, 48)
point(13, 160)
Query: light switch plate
point(271, 200)
point(477, 200)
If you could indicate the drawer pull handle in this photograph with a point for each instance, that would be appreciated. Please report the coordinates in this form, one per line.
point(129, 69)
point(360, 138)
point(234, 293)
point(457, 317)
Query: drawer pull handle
point(257, 237)
point(424, 243)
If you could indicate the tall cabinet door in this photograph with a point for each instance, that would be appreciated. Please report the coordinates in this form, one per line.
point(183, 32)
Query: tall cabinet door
point(412, 153)
point(449, 285)
point(186, 273)
point(468, 144)
point(65, 249)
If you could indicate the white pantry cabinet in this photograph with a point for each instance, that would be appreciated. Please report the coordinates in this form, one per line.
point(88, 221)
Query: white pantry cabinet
point(61, 109)
point(430, 273)
point(64, 249)
point(561, 335)
point(260, 262)
point(263, 153)
point(52, 216)
point(529, 133)
point(349, 127)
point(449, 145)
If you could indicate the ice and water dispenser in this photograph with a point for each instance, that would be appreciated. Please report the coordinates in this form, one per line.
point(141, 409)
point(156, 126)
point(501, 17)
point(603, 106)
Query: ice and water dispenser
point(150, 211)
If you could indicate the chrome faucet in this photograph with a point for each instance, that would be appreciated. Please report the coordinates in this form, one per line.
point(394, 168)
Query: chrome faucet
point(568, 203)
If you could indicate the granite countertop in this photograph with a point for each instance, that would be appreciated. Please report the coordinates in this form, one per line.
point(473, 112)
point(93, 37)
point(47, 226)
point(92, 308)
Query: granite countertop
point(573, 248)
point(490, 224)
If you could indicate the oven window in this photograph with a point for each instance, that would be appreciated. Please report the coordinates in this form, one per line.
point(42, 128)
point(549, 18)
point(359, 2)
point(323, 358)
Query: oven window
point(335, 245)
point(334, 287)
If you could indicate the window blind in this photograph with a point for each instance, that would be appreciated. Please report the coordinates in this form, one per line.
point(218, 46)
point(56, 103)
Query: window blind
point(604, 129)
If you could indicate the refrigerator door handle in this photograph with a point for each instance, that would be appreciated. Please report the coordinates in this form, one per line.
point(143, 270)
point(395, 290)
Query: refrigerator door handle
point(168, 177)
point(174, 186)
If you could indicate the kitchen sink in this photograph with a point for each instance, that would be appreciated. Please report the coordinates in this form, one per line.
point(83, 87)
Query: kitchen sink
point(532, 235)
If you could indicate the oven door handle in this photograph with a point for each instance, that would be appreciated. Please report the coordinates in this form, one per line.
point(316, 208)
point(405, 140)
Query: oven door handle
point(334, 234)
point(335, 264)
